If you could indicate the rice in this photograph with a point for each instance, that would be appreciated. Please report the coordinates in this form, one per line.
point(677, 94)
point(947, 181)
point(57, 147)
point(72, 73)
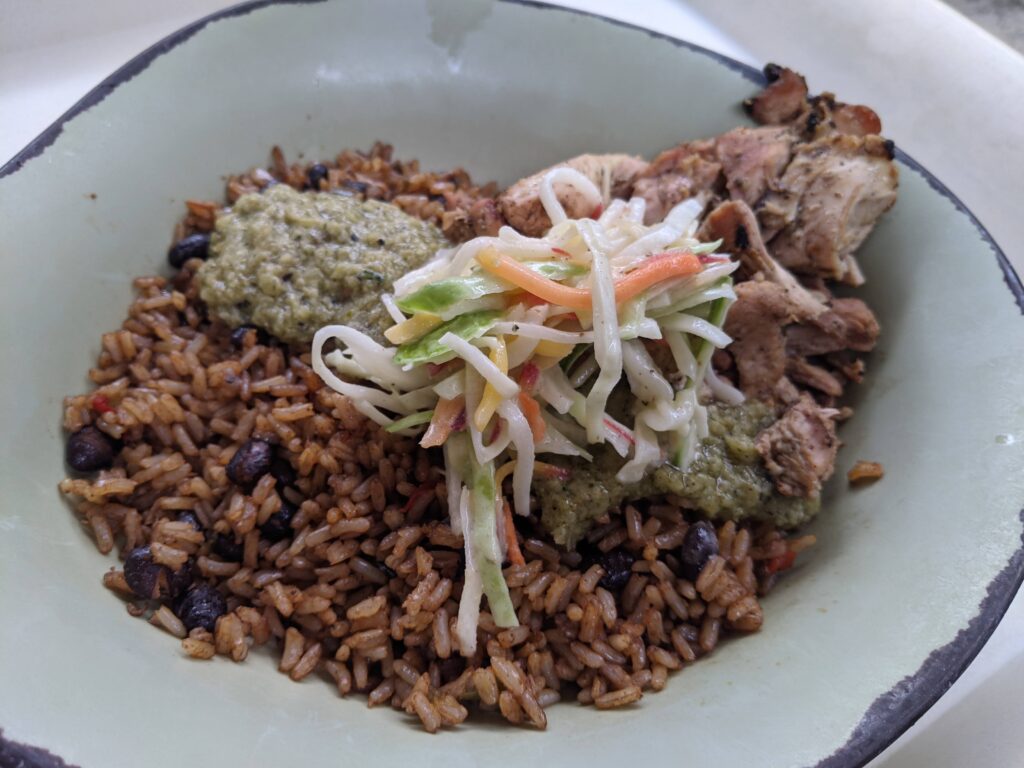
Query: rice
point(365, 582)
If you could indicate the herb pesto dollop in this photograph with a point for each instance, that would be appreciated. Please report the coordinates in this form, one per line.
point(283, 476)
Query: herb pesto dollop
point(726, 480)
point(291, 262)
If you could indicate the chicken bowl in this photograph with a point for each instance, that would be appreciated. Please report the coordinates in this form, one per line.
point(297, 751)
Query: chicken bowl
point(542, 406)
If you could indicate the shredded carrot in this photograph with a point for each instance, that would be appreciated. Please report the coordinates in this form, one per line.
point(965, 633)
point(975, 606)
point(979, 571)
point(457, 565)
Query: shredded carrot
point(531, 282)
point(449, 416)
point(531, 410)
point(515, 556)
point(654, 270)
point(490, 399)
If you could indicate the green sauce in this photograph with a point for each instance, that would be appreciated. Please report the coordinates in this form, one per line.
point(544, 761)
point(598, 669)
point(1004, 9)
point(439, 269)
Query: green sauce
point(725, 481)
point(291, 262)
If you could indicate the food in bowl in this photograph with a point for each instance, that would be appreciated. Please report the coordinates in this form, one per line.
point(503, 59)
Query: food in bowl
point(455, 447)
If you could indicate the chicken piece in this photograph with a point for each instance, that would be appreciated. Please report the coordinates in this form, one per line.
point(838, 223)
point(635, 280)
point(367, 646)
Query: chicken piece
point(848, 364)
point(774, 329)
point(856, 120)
point(678, 174)
point(481, 218)
point(747, 161)
point(799, 450)
point(785, 101)
point(813, 376)
point(614, 175)
point(677, 158)
point(824, 116)
point(752, 159)
point(736, 226)
point(755, 322)
point(782, 101)
point(852, 325)
point(826, 204)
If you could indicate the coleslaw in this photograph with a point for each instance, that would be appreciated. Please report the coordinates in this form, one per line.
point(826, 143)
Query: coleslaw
point(507, 349)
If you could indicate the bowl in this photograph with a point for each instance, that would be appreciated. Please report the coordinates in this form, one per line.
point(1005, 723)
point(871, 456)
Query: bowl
point(909, 578)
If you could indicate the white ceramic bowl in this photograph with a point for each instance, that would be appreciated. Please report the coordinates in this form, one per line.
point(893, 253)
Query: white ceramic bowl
point(911, 574)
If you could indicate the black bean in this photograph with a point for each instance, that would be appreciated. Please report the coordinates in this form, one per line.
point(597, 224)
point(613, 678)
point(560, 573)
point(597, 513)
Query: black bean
point(283, 472)
point(451, 667)
point(228, 547)
point(279, 525)
point(188, 516)
point(88, 450)
point(201, 606)
point(181, 580)
point(250, 462)
point(195, 246)
point(699, 544)
point(316, 174)
point(690, 632)
point(146, 578)
point(589, 554)
point(618, 565)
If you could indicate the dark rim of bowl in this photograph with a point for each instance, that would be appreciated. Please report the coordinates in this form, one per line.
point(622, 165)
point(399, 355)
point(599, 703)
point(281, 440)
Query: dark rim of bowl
point(890, 714)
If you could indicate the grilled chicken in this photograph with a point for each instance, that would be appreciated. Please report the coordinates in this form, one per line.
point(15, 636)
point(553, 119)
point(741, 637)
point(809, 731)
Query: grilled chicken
point(775, 329)
point(736, 226)
point(752, 159)
point(807, 374)
point(785, 101)
point(852, 326)
point(792, 199)
point(742, 163)
point(678, 174)
point(755, 323)
point(799, 450)
point(614, 175)
point(782, 100)
point(481, 217)
point(827, 202)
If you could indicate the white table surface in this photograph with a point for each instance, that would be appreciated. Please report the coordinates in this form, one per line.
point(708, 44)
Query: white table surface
point(967, 130)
